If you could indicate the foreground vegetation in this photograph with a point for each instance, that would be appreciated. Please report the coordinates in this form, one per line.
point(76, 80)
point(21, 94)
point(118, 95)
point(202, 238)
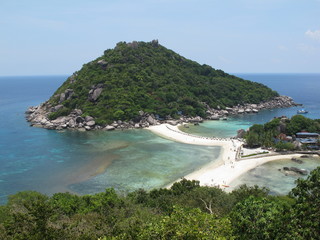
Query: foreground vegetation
point(149, 77)
point(274, 133)
point(186, 211)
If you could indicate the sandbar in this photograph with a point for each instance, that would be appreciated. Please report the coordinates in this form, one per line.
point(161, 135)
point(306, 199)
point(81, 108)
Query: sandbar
point(232, 165)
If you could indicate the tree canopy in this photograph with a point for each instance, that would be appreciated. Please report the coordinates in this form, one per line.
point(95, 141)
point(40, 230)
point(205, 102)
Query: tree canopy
point(186, 211)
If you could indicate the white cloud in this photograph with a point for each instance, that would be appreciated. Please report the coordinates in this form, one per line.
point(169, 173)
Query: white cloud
point(313, 34)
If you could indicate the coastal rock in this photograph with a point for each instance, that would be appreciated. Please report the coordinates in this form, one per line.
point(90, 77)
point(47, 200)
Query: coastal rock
point(79, 119)
point(88, 118)
point(72, 123)
point(172, 122)
point(87, 128)
point(214, 117)
point(91, 123)
point(109, 128)
point(151, 120)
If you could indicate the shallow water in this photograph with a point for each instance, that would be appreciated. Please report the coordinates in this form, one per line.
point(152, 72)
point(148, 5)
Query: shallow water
point(269, 176)
point(89, 162)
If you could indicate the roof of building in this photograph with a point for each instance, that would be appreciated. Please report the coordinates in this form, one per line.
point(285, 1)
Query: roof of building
point(307, 140)
point(307, 134)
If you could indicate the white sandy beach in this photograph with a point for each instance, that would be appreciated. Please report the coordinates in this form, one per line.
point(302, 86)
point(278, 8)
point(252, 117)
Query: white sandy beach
point(231, 166)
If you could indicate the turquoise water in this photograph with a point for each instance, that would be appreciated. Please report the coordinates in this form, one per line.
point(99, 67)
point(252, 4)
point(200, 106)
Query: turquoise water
point(88, 162)
point(82, 162)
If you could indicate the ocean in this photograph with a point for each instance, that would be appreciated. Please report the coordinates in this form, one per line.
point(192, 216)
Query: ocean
point(89, 162)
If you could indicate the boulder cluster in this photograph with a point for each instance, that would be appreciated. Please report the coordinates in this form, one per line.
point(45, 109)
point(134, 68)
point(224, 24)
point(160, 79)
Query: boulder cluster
point(38, 115)
point(277, 102)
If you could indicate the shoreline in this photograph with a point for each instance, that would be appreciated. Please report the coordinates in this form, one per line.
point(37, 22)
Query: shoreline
point(229, 166)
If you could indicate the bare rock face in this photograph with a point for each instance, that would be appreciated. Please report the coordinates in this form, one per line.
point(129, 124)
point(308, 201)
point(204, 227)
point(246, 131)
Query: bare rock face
point(95, 92)
point(57, 108)
point(151, 120)
point(103, 63)
point(67, 94)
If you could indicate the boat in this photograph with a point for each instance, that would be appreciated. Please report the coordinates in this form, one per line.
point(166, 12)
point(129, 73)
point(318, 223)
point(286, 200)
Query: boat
point(302, 111)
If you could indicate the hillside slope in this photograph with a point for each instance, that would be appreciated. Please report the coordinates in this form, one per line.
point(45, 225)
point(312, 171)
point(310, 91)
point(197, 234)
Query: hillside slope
point(145, 76)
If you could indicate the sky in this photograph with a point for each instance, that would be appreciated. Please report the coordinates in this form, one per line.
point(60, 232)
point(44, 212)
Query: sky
point(238, 36)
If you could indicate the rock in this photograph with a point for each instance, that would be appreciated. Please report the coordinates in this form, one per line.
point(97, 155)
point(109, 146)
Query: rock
point(66, 95)
point(79, 119)
point(248, 110)
point(297, 160)
point(151, 120)
point(91, 123)
point(96, 93)
point(255, 110)
point(57, 108)
point(114, 124)
point(103, 63)
point(88, 118)
point(76, 112)
point(215, 117)
point(87, 128)
point(137, 125)
point(298, 170)
point(109, 128)
point(224, 112)
point(172, 122)
point(72, 123)
point(241, 111)
point(62, 97)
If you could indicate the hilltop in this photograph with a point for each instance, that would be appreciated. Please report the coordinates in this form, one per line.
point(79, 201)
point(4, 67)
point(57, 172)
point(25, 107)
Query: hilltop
point(142, 82)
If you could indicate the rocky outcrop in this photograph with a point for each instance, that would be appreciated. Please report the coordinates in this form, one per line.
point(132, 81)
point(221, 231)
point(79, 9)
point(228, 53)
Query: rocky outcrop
point(39, 116)
point(296, 170)
point(66, 95)
point(277, 102)
point(95, 92)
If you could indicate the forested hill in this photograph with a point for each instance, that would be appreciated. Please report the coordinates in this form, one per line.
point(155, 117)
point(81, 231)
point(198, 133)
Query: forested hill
point(149, 77)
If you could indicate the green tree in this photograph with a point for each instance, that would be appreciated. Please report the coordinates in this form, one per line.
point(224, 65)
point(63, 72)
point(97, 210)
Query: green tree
point(188, 224)
point(306, 210)
point(259, 218)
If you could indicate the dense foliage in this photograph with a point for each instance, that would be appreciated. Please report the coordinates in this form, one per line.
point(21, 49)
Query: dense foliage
point(186, 211)
point(270, 133)
point(149, 77)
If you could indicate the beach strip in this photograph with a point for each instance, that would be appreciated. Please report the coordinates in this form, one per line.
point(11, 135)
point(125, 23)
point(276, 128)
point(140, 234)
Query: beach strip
point(231, 166)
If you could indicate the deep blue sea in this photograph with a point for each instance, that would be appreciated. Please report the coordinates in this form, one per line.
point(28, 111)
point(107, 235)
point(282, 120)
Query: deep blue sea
point(88, 162)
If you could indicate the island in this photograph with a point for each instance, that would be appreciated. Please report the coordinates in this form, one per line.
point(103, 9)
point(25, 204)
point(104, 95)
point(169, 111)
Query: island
point(139, 84)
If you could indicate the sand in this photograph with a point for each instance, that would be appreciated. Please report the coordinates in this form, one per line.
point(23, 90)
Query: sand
point(230, 168)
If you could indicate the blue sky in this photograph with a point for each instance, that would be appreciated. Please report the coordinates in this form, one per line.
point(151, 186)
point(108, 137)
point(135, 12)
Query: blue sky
point(238, 36)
